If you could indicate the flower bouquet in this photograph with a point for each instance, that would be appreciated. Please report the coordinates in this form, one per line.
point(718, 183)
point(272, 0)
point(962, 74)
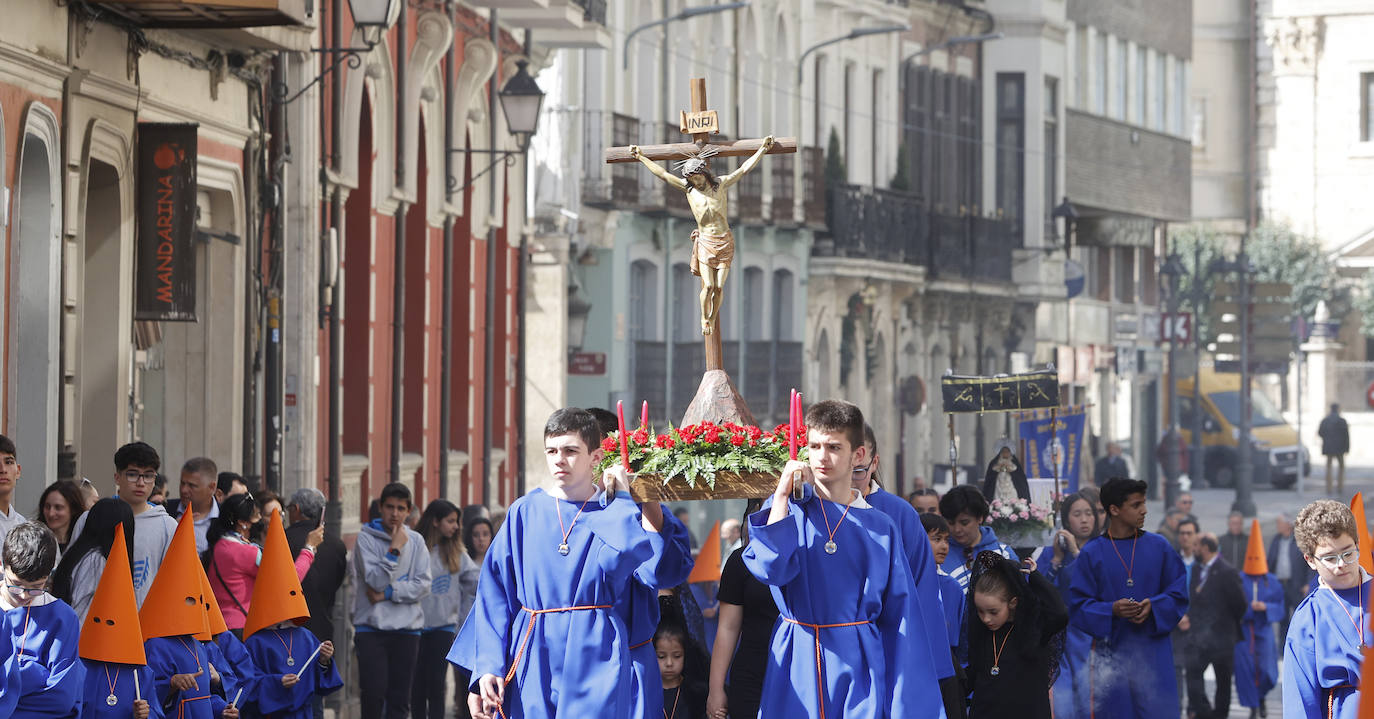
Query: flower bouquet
point(703, 461)
point(1020, 523)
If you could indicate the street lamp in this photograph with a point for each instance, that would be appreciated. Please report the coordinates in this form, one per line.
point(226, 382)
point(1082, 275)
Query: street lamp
point(1171, 453)
point(520, 101)
point(853, 34)
point(1069, 214)
point(961, 40)
point(686, 14)
point(579, 309)
point(372, 18)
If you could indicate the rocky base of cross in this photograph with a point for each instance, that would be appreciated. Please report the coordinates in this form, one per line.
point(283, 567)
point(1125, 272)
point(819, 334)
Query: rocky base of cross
point(717, 401)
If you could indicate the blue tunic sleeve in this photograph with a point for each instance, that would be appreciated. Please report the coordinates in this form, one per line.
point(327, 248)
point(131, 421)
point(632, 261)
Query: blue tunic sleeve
point(772, 552)
point(671, 561)
point(51, 675)
point(242, 670)
point(1268, 590)
point(1302, 695)
point(922, 563)
point(1170, 603)
point(1090, 607)
point(915, 678)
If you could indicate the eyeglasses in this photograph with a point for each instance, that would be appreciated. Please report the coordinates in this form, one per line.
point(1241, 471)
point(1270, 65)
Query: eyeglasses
point(862, 470)
point(143, 478)
point(18, 591)
point(1336, 561)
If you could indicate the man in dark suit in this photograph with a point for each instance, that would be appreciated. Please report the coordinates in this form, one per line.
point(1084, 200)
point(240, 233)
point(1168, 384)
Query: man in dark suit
point(1289, 567)
point(1216, 606)
point(321, 584)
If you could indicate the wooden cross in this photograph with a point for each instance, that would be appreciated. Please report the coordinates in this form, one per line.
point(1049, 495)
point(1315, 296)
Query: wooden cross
point(716, 399)
point(700, 122)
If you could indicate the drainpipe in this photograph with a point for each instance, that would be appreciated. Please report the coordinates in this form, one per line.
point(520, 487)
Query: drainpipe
point(272, 373)
point(398, 296)
point(488, 338)
point(519, 394)
point(446, 341)
point(333, 511)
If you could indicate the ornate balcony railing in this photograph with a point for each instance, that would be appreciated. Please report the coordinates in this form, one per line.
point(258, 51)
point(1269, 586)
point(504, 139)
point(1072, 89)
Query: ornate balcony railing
point(813, 185)
point(781, 167)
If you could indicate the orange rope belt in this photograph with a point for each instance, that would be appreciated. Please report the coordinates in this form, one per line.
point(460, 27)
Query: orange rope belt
point(1331, 698)
point(820, 661)
point(535, 614)
point(636, 646)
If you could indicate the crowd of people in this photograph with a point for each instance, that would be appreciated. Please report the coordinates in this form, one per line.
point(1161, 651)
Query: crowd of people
point(833, 597)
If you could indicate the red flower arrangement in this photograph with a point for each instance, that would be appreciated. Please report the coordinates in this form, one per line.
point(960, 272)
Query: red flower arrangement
point(696, 452)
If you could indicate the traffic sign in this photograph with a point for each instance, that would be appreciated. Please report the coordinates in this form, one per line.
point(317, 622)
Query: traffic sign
point(1177, 326)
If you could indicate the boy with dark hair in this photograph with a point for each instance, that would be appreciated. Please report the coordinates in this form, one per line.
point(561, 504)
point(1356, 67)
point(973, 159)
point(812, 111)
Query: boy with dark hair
point(391, 566)
point(965, 508)
point(952, 604)
point(842, 582)
point(543, 638)
point(42, 628)
point(136, 466)
point(9, 479)
point(10, 472)
point(1330, 628)
point(922, 564)
point(1128, 590)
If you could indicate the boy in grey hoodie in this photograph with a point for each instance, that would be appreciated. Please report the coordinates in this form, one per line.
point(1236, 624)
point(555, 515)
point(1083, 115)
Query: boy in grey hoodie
point(136, 466)
point(391, 568)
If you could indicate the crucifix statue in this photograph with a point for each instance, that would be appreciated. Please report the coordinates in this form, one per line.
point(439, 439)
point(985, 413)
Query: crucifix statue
point(713, 244)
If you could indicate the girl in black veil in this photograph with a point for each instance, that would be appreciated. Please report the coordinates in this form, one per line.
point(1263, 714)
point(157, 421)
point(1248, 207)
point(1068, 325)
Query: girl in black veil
point(1016, 624)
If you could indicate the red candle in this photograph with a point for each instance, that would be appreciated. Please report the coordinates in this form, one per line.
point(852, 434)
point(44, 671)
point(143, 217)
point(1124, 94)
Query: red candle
point(792, 426)
point(644, 415)
point(624, 438)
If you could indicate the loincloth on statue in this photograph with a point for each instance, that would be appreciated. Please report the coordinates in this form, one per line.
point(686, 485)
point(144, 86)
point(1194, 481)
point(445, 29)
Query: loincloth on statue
point(714, 251)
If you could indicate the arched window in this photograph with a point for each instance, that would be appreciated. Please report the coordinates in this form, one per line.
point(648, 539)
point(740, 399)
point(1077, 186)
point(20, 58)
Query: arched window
point(782, 306)
point(643, 301)
point(753, 309)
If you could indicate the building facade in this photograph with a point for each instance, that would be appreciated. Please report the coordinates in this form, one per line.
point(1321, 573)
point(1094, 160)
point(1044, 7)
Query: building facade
point(1087, 102)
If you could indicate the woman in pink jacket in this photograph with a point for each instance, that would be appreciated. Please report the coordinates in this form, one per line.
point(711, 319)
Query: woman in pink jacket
point(231, 558)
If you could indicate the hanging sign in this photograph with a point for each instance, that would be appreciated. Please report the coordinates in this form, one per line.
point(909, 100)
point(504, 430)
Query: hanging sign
point(165, 261)
point(1000, 393)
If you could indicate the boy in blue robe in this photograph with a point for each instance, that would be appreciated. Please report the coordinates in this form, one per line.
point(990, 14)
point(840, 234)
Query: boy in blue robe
point(1256, 659)
point(919, 557)
point(231, 668)
point(293, 673)
point(42, 628)
point(1127, 591)
point(111, 646)
point(172, 615)
point(543, 638)
point(1323, 651)
point(845, 644)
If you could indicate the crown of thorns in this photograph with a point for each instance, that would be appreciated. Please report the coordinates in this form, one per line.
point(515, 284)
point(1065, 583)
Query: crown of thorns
point(697, 161)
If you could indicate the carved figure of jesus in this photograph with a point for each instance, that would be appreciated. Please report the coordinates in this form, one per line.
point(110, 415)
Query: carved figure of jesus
point(713, 244)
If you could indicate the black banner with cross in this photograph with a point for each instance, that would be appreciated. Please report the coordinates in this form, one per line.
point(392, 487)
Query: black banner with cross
point(1000, 393)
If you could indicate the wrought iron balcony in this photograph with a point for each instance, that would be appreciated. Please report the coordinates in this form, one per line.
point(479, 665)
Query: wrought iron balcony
point(208, 13)
point(890, 226)
point(813, 186)
point(876, 224)
point(749, 201)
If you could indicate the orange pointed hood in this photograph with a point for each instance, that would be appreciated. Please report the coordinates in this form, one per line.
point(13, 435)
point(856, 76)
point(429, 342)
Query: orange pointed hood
point(277, 595)
point(112, 632)
point(1255, 561)
point(1362, 530)
point(175, 604)
point(707, 568)
point(212, 613)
